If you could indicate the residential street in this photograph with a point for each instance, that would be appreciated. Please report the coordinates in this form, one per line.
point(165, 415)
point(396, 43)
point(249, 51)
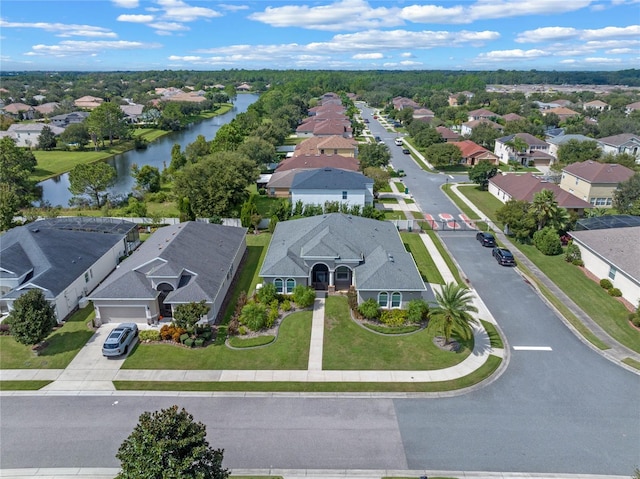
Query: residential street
point(560, 407)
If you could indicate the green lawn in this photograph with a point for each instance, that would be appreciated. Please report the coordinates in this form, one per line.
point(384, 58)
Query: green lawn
point(485, 201)
point(347, 346)
point(289, 351)
point(445, 255)
point(400, 186)
point(414, 244)
point(55, 162)
point(390, 201)
point(23, 385)
point(460, 204)
point(64, 343)
point(395, 215)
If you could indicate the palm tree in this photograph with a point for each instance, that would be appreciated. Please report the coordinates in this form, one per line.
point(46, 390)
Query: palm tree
point(452, 311)
point(547, 212)
point(517, 145)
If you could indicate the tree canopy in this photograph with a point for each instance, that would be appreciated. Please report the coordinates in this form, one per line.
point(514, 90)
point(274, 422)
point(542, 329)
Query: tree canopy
point(32, 318)
point(373, 154)
point(93, 180)
point(106, 121)
point(169, 444)
point(443, 154)
point(482, 172)
point(626, 198)
point(454, 305)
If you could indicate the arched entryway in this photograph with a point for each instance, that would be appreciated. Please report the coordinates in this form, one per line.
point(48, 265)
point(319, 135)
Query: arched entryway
point(320, 277)
point(165, 309)
point(342, 278)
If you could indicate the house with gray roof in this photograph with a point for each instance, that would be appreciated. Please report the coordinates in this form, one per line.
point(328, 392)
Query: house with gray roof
point(182, 263)
point(333, 185)
point(337, 252)
point(557, 141)
point(622, 143)
point(66, 258)
point(609, 253)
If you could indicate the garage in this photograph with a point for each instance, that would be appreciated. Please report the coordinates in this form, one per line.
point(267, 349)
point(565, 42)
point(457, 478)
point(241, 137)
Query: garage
point(123, 314)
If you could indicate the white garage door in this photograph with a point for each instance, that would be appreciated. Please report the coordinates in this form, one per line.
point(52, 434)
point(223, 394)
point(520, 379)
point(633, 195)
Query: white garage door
point(123, 314)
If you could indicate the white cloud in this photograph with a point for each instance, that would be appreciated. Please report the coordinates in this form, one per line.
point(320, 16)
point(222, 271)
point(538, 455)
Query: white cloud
point(603, 61)
point(367, 56)
point(491, 9)
point(513, 54)
point(135, 18)
point(433, 14)
point(548, 34)
point(63, 29)
point(407, 55)
point(620, 51)
point(233, 8)
point(338, 16)
point(169, 27)
point(74, 47)
point(632, 31)
point(126, 3)
point(179, 11)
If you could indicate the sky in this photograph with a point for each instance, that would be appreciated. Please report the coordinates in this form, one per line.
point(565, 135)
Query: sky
point(138, 35)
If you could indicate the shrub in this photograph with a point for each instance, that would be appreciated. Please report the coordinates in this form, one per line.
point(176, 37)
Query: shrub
point(199, 342)
point(5, 329)
point(189, 342)
point(369, 309)
point(184, 337)
point(636, 321)
point(606, 284)
point(286, 305)
point(149, 335)
point(615, 292)
point(547, 241)
point(303, 296)
point(242, 330)
point(578, 262)
point(272, 317)
point(352, 298)
point(572, 253)
point(242, 300)
point(417, 310)
point(233, 326)
point(254, 316)
point(394, 317)
point(267, 293)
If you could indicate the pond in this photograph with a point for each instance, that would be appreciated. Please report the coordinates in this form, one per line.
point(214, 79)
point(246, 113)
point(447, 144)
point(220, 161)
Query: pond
point(55, 191)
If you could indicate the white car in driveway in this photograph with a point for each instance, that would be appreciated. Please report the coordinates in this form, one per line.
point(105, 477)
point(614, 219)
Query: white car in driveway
point(120, 340)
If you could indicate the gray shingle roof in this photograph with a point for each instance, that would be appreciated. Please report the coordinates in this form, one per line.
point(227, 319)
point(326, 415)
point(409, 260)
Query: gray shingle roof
point(203, 251)
point(384, 264)
point(57, 255)
point(329, 179)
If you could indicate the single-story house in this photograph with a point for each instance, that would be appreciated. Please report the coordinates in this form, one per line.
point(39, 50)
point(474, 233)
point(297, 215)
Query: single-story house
point(89, 102)
point(512, 117)
point(21, 111)
point(631, 107)
point(333, 185)
point(468, 126)
point(562, 112)
point(400, 103)
point(608, 253)
point(594, 182)
point(510, 186)
point(179, 264)
point(28, 134)
point(336, 252)
point(596, 105)
point(66, 258)
point(472, 153)
point(482, 114)
point(622, 143)
point(319, 161)
point(46, 108)
point(447, 134)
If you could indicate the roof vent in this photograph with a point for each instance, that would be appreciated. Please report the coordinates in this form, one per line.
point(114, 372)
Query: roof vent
point(390, 257)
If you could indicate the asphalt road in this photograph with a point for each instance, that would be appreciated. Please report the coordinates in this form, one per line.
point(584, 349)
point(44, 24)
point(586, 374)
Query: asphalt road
point(565, 409)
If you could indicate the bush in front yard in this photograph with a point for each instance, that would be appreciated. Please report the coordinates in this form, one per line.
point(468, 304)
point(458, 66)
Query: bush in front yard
point(615, 292)
point(254, 316)
point(303, 296)
point(171, 333)
point(267, 293)
point(149, 335)
point(547, 241)
point(417, 311)
point(605, 283)
point(572, 253)
point(393, 317)
point(369, 309)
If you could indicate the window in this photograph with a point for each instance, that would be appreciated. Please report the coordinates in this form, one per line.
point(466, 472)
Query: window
point(396, 299)
point(86, 277)
point(344, 195)
point(291, 283)
point(278, 283)
point(577, 181)
point(342, 274)
point(383, 299)
point(612, 272)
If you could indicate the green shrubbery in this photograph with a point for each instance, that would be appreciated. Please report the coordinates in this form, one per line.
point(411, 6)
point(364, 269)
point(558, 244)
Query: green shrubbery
point(606, 284)
point(149, 335)
point(547, 241)
point(303, 296)
point(615, 292)
point(394, 317)
point(417, 311)
point(254, 316)
point(369, 309)
point(572, 253)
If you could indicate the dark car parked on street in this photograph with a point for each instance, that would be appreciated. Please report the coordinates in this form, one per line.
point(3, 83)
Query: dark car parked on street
point(503, 256)
point(486, 239)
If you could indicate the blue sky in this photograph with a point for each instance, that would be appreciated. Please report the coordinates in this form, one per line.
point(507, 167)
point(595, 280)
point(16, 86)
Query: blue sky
point(106, 35)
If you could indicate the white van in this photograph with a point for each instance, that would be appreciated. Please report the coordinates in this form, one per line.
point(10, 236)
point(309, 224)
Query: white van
point(398, 141)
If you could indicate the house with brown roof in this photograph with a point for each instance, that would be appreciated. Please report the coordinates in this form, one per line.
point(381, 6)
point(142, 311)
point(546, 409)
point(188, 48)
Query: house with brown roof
point(608, 253)
point(20, 111)
point(400, 103)
point(472, 153)
point(330, 145)
point(622, 143)
point(318, 161)
point(88, 102)
point(594, 182)
point(447, 134)
point(46, 108)
point(423, 113)
point(512, 117)
point(596, 105)
point(631, 107)
point(511, 186)
point(482, 114)
point(536, 152)
point(562, 112)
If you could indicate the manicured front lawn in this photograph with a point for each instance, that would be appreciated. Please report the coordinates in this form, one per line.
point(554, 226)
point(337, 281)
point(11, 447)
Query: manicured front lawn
point(347, 346)
point(23, 385)
point(428, 270)
point(395, 215)
point(63, 345)
point(460, 204)
point(289, 351)
point(484, 200)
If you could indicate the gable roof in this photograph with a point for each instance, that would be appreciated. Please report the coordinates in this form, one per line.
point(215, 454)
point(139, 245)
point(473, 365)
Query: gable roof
point(483, 112)
point(57, 252)
point(594, 172)
point(614, 245)
point(562, 139)
point(34, 127)
point(316, 144)
point(201, 254)
point(447, 134)
point(17, 107)
point(329, 179)
point(473, 123)
point(469, 148)
point(528, 138)
point(319, 161)
point(619, 140)
point(512, 117)
point(524, 187)
point(384, 263)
